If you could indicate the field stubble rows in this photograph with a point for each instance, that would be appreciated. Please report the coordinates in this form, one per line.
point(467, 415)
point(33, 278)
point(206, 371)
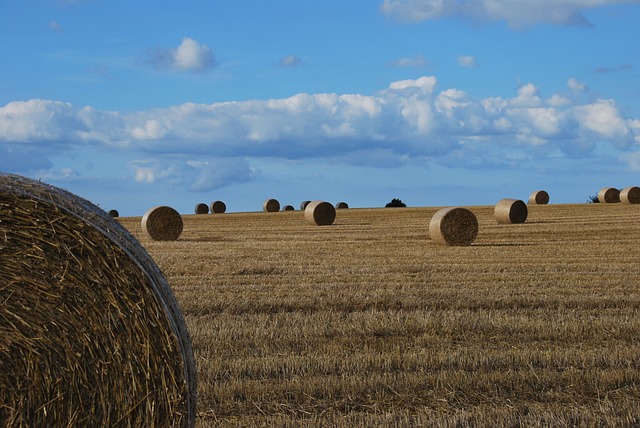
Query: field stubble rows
point(368, 322)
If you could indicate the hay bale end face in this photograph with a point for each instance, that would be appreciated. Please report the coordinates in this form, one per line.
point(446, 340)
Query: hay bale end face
point(320, 213)
point(271, 206)
point(539, 197)
point(609, 195)
point(303, 205)
point(342, 206)
point(100, 339)
point(202, 209)
point(453, 226)
point(218, 207)
point(630, 195)
point(114, 213)
point(162, 224)
point(510, 211)
point(288, 208)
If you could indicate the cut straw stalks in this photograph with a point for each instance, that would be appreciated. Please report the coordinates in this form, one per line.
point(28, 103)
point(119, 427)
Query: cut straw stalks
point(218, 207)
point(202, 208)
point(320, 213)
point(510, 211)
point(539, 197)
point(453, 226)
point(271, 206)
point(162, 223)
point(630, 195)
point(90, 332)
point(609, 195)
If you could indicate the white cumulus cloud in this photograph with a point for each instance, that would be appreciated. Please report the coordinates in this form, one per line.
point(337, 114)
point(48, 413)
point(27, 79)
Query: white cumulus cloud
point(190, 55)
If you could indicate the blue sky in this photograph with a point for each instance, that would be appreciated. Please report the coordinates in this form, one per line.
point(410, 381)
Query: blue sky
point(436, 102)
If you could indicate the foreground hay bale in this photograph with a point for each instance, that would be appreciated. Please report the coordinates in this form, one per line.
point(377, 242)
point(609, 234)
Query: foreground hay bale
point(609, 195)
point(218, 207)
point(303, 205)
point(320, 213)
point(453, 226)
point(271, 206)
point(90, 332)
point(539, 197)
point(162, 224)
point(630, 195)
point(114, 213)
point(510, 211)
point(202, 208)
point(342, 206)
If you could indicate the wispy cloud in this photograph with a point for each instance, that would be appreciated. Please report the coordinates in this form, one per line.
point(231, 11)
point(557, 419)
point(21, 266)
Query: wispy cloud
point(467, 61)
point(606, 70)
point(55, 26)
point(417, 61)
point(290, 61)
point(190, 55)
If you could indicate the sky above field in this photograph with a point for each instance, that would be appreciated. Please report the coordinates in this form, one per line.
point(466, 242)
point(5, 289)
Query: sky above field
point(133, 104)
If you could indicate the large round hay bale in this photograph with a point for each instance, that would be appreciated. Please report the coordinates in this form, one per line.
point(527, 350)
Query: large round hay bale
point(114, 213)
point(288, 208)
point(342, 206)
point(609, 195)
point(303, 205)
point(630, 195)
point(320, 213)
point(510, 211)
point(90, 331)
point(218, 207)
point(539, 197)
point(162, 224)
point(453, 226)
point(271, 206)
point(202, 208)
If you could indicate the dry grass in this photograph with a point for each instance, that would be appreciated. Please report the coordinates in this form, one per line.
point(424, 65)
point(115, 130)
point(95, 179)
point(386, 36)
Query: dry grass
point(370, 323)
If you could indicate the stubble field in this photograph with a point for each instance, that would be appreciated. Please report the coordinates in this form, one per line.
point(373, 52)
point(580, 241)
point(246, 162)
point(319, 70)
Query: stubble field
point(368, 322)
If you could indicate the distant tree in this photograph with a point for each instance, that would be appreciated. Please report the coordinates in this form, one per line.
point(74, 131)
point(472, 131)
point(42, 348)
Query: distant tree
point(395, 203)
point(593, 199)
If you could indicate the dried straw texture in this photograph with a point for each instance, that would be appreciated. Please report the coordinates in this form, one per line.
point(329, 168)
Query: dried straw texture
point(609, 195)
point(271, 206)
point(218, 207)
point(630, 195)
point(114, 213)
point(510, 211)
point(162, 224)
point(539, 198)
point(342, 205)
point(303, 205)
point(90, 332)
point(288, 208)
point(453, 226)
point(320, 213)
point(202, 208)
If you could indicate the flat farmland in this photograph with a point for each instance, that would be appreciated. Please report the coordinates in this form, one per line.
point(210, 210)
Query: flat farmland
point(368, 322)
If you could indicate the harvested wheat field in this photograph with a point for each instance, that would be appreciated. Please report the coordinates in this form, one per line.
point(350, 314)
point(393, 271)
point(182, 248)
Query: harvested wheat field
point(368, 322)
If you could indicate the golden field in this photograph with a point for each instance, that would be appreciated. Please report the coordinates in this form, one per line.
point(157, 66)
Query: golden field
point(367, 322)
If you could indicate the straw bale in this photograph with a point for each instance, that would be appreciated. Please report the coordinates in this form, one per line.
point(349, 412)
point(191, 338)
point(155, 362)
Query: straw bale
point(91, 334)
point(271, 206)
point(342, 206)
point(320, 213)
point(288, 208)
point(630, 195)
point(609, 195)
point(162, 223)
point(539, 197)
point(510, 211)
point(114, 213)
point(218, 207)
point(202, 208)
point(453, 226)
point(303, 205)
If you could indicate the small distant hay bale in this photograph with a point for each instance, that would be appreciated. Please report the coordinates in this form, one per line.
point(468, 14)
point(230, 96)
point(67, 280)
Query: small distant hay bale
point(218, 207)
point(342, 206)
point(609, 195)
point(510, 211)
point(303, 205)
point(162, 223)
point(630, 195)
point(271, 206)
point(114, 213)
point(90, 331)
point(539, 197)
point(202, 208)
point(288, 208)
point(320, 213)
point(454, 226)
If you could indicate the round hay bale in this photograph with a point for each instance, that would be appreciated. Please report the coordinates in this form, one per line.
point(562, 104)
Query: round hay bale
point(342, 206)
point(218, 207)
point(453, 226)
point(90, 331)
point(539, 197)
point(162, 224)
point(202, 208)
point(114, 213)
point(630, 195)
point(303, 205)
point(320, 213)
point(609, 195)
point(271, 206)
point(288, 208)
point(510, 211)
